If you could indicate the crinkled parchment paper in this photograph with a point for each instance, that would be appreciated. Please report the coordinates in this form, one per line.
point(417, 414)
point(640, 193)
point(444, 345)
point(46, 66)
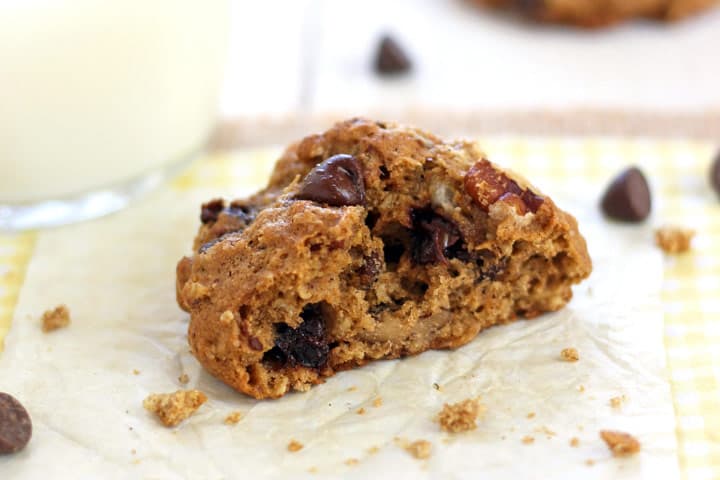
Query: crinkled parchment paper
point(117, 277)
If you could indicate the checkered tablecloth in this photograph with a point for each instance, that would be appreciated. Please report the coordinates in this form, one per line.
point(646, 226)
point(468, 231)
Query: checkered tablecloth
point(678, 171)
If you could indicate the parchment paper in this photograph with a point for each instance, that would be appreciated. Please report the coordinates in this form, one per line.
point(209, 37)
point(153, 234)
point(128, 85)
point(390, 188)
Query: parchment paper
point(117, 276)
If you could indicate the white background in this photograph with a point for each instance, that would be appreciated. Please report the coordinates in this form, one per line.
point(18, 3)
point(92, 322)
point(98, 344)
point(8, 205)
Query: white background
point(316, 56)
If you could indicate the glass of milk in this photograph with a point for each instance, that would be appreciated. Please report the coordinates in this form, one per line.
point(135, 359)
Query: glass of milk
point(101, 100)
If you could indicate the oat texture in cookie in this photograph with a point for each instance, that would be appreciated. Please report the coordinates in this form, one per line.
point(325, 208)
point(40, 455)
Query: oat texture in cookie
point(371, 241)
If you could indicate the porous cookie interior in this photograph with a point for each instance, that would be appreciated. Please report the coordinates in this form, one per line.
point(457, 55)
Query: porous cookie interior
point(371, 241)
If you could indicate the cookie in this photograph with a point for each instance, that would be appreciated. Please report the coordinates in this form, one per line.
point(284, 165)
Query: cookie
point(600, 13)
point(371, 241)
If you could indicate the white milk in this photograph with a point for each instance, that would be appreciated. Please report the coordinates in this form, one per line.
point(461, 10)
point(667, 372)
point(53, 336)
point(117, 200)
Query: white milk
point(95, 92)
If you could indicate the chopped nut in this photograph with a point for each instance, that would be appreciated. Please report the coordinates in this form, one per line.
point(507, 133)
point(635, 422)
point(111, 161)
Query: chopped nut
point(620, 443)
point(227, 317)
point(616, 402)
point(377, 402)
point(173, 408)
point(59, 317)
point(419, 449)
point(460, 417)
point(184, 379)
point(674, 239)
point(570, 355)
point(527, 440)
point(195, 291)
point(233, 418)
point(574, 442)
point(294, 446)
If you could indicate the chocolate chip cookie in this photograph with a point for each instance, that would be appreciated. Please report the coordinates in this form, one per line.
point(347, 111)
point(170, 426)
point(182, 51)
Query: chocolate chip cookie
point(600, 13)
point(371, 241)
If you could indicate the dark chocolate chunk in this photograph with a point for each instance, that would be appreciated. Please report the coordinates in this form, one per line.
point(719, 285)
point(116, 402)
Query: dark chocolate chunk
point(434, 237)
point(305, 345)
point(715, 174)
point(210, 210)
point(390, 58)
point(338, 181)
point(627, 198)
point(15, 425)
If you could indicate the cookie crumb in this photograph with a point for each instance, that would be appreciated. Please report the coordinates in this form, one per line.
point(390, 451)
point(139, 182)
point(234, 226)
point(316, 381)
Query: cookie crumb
point(173, 408)
point(546, 431)
point(133, 451)
point(312, 470)
point(352, 389)
point(136, 371)
point(360, 411)
point(377, 402)
point(674, 239)
point(351, 461)
point(581, 388)
point(589, 462)
point(294, 446)
point(419, 449)
point(620, 443)
point(54, 319)
point(436, 386)
point(531, 415)
point(527, 440)
point(570, 354)
point(574, 442)
point(461, 416)
point(233, 418)
point(373, 450)
point(617, 402)
point(184, 379)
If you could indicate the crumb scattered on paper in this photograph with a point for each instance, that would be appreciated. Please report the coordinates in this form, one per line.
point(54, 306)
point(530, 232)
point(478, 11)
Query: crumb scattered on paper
point(589, 462)
point(361, 411)
point(136, 371)
point(581, 388)
point(173, 408)
point(294, 446)
point(312, 470)
point(184, 379)
point(527, 439)
point(674, 239)
point(352, 389)
point(233, 418)
point(59, 317)
point(373, 450)
point(352, 461)
point(419, 449)
point(461, 416)
point(531, 415)
point(377, 402)
point(620, 443)
point(574, 442)
point(617, 402)
point(570, 354)
point(546, 431)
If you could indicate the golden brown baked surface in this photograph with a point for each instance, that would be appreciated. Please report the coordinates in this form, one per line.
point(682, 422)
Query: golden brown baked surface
point(600, 13)
point(371, 241)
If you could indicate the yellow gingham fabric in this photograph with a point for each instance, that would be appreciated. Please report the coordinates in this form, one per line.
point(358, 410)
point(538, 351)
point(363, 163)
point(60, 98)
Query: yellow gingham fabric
point(678, 171)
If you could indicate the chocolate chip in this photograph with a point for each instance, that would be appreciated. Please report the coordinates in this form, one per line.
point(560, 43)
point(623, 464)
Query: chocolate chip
point(210, 210)
point(390, 58)
point(627, 198)
point(338, 181)
point(434, 236)
point(305, 345)
point(15, 425)
point(369, 271)
point(715, 174)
